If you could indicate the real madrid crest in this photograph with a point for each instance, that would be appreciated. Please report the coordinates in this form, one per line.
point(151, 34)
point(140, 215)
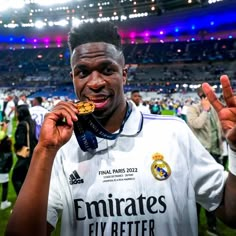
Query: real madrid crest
point(160, 169)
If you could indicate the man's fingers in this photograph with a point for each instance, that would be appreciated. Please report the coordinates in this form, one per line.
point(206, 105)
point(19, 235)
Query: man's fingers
point(227, 91)
point(67, 111)
point(212, 97)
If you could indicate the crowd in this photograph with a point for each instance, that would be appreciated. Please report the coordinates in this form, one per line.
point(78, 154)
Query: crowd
point(21, 121)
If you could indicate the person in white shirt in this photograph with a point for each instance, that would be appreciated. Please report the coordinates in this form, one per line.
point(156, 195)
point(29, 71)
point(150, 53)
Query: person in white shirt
point(117, 171)
point(23, 100)
point(9, 113)
point(37, 112)
point(137, 99)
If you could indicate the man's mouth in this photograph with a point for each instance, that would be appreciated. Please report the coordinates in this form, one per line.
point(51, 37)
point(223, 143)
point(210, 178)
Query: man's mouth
point(99, 102)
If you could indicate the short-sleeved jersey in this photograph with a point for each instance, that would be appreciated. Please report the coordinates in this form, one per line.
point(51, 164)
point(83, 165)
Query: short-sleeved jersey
point(37, 113)
point(113, 190)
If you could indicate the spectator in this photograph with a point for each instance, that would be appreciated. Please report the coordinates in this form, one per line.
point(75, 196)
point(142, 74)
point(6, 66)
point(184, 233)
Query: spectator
point(22, 100)
point(1, 108)
point(21, 167)
point(184, 110)
point(38, 112)
point(225, 144)
point(6, 161)
point(155, 108)
point(9, 113)
point(204, 122)
point(137, 99)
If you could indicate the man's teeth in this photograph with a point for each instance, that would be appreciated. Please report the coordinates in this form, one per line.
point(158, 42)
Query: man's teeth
point(98, 100)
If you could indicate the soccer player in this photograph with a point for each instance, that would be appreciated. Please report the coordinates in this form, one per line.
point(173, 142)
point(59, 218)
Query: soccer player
point(117, 171)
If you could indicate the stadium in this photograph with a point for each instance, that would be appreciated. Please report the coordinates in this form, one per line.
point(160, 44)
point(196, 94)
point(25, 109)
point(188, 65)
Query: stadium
point(170, 47)
point(34, 52)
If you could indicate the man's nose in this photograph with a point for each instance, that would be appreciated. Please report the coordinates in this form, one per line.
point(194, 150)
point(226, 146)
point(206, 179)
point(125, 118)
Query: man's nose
point(96, 80)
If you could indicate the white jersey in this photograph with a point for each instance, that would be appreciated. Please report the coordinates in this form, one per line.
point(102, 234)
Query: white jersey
point(144, 109)
point(9, 110)
point(114, 190)
point(37, 113)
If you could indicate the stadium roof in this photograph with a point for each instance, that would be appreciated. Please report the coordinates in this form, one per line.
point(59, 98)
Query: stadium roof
point(30, 21)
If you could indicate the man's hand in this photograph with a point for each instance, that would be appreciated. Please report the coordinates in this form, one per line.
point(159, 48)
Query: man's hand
point(206, 105)
point(226, 113)
point(58, 126)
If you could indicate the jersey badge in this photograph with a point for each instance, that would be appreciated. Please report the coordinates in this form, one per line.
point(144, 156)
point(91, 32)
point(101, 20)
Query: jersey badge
point(160, 169)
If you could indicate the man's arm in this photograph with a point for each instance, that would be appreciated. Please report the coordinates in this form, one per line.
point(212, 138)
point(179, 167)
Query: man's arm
point(49, 229)
point(227, 116)
point(29, 216)
point(227, 210)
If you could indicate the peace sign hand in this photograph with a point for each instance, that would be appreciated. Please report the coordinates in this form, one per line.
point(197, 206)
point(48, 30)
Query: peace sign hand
point(226, 112)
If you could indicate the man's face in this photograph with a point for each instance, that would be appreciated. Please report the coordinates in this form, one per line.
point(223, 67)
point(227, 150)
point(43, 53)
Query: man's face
point(136, 98)
point(99, 76)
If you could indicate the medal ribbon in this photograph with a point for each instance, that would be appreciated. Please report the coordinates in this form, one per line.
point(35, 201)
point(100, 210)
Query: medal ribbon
point(87, 128)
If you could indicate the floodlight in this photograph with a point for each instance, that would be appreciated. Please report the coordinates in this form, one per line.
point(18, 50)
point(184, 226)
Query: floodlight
point(39, 24)
point(51, 2)
point(11, 25)
point(50, 23)
point(76, 22)
point(61, 23)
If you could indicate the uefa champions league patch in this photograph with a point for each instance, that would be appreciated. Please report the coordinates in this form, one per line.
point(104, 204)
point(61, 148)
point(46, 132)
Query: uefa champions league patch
point(160, 169)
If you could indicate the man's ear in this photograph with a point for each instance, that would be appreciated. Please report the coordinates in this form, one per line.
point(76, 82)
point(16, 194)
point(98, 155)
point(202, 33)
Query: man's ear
point(71, 75)
point(125, 74)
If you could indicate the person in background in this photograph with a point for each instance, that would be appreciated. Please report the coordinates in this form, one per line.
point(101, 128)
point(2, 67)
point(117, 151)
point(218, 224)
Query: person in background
point(188, 102)
point(1, 108)
point(155, 107)
point(21, 167)
point(23, 100)
point(225, 144)
point(124, 172)
point(38, 112)
point(9, 113)
point(205, 124)
point(6, 161)
point(137, 99)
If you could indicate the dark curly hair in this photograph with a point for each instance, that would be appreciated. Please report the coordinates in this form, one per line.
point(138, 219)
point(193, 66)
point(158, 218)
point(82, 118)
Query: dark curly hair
point(94, 32)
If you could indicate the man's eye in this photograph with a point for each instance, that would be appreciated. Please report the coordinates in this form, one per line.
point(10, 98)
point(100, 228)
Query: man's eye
point(82, 73)
point(108, 71)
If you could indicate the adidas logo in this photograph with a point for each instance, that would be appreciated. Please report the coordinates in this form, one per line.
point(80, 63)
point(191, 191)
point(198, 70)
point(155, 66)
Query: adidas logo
point(75, 178)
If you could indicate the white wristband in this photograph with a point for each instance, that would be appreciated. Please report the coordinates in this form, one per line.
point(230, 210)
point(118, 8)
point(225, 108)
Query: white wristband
point(232, 161)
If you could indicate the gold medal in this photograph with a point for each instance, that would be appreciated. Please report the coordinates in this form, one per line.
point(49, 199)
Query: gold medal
point(160, 169)
point(85, 108)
